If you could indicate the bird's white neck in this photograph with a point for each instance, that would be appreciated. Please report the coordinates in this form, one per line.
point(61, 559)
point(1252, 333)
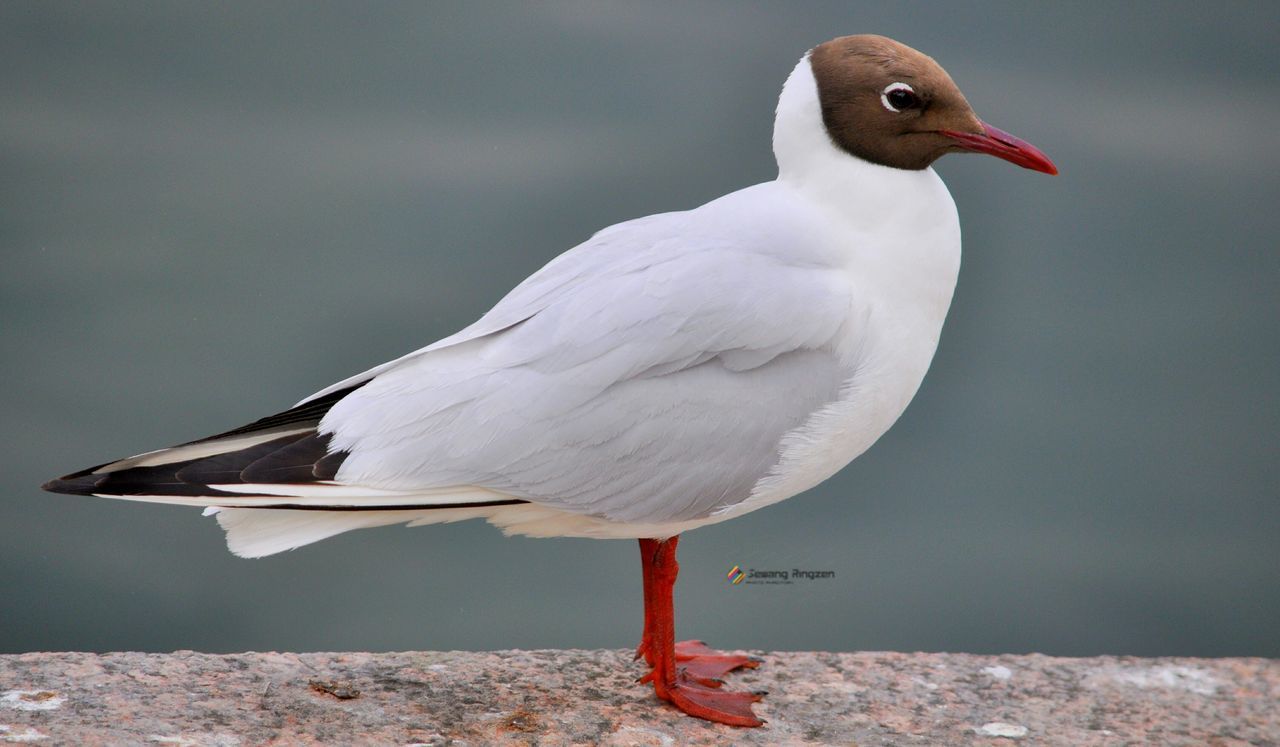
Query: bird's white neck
point(809, 161)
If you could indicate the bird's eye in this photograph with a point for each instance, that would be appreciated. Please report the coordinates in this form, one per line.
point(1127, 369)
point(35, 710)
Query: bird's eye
point(898, 97)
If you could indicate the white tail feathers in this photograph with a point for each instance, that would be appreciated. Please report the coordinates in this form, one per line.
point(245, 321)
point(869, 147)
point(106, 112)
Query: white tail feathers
point(257, 532)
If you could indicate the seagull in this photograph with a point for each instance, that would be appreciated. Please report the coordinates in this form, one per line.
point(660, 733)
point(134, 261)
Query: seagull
point(670, 372)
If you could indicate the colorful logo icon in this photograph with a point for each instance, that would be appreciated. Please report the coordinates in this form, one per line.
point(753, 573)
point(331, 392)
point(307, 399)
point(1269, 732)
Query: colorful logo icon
point(735, 575)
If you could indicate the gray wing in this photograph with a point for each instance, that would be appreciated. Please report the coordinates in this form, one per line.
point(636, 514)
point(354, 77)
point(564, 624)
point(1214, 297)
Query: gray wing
point(636, 378)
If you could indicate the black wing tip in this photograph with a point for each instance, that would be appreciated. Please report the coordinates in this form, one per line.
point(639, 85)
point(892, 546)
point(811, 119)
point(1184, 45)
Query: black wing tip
point(313, 462)
point(289, 460)
point(77, 483)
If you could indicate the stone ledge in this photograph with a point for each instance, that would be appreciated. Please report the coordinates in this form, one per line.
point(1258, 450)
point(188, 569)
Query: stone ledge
point(589, 697)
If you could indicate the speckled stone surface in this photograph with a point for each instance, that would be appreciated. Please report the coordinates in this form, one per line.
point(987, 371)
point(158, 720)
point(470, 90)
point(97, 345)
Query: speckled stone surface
point(589, 697)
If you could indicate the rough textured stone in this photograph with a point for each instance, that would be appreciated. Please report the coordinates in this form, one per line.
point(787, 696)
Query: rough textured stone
point(589, 697)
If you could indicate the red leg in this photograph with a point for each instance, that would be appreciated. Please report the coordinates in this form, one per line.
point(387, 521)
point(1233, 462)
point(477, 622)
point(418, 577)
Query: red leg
point(645, 648)
point(682, 678)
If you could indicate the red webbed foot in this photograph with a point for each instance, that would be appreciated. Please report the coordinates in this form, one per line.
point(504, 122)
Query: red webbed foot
point(705, 665)
point(710, 703)
point(696, 686)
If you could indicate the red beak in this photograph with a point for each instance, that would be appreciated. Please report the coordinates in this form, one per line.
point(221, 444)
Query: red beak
point(1001, 144)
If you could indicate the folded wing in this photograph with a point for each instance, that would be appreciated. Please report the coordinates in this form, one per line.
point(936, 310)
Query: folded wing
point(641, 376)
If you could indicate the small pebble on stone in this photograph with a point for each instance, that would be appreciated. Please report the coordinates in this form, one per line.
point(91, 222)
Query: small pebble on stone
point(1002, 729)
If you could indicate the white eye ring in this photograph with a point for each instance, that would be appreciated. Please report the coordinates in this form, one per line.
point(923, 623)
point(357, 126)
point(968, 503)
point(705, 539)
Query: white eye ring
point(884, 95)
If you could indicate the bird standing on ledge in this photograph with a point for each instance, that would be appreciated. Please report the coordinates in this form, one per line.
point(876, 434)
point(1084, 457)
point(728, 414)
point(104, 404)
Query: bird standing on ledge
point(671, 372)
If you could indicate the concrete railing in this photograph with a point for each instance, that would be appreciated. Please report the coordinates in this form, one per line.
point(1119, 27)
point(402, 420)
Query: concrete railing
point(590, 697)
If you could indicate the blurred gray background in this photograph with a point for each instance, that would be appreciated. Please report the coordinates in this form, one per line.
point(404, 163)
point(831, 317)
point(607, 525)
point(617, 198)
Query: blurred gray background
point(208, 211)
